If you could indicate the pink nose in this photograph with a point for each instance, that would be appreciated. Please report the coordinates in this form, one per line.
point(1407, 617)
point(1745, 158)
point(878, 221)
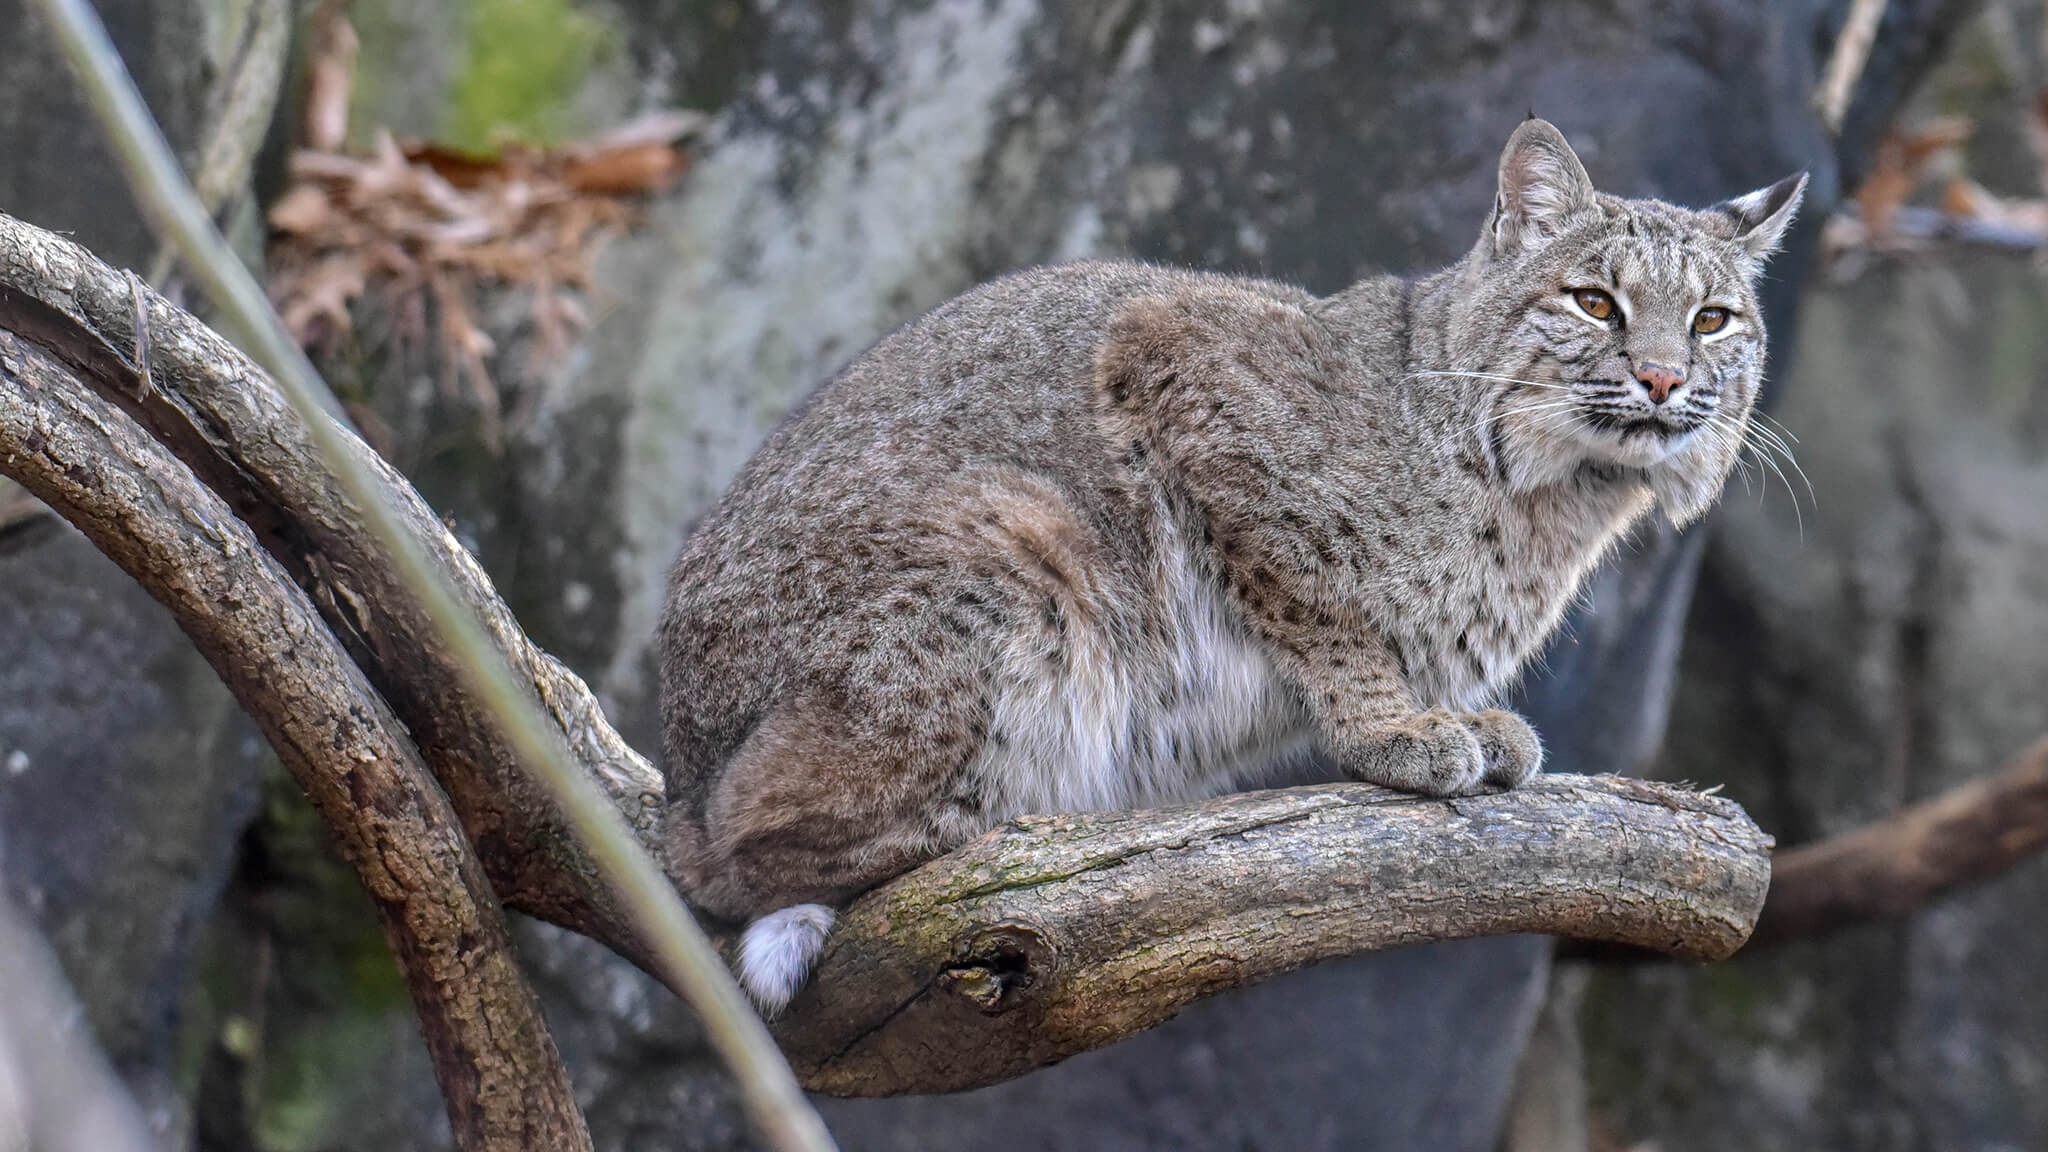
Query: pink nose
point(1660, 379)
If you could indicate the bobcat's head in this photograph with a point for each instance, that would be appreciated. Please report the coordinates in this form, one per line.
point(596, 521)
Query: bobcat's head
point(1615, 336)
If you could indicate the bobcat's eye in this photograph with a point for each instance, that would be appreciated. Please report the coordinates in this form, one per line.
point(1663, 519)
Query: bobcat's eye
point(1709, 320)
point(1593, 302)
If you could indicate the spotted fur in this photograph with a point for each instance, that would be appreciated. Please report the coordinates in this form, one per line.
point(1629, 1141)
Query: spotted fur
point(1108, 535)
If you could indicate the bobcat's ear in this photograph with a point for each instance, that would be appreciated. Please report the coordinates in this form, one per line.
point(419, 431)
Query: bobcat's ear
point(1759, 219)
point(1541, 184)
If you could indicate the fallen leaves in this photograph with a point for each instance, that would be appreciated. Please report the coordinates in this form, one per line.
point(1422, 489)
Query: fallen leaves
point(1904, 162)
point(425, 230)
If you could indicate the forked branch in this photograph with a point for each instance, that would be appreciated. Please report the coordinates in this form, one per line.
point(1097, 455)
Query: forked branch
point(492, 1052)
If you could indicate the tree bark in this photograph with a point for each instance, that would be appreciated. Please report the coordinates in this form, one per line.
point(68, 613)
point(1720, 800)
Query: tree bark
point(499, 1072)
point(1055, 935)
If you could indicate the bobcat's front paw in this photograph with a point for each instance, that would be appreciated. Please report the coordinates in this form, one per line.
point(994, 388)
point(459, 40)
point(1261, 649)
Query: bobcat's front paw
point(1512, 751)
point(1434, 753)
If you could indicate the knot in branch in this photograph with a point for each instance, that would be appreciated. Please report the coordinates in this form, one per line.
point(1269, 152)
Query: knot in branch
point(1001, 967)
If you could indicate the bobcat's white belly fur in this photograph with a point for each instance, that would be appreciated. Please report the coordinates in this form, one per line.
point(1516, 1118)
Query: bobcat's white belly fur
point(1115, 722)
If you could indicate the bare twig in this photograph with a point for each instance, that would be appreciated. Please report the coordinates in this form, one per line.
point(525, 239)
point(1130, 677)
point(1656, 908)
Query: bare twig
point(1895, 866)
point(686, 957)
point(248, 98)
point(504, 1083)
point(330, 62)
point(139, 297)
point(1845, 63)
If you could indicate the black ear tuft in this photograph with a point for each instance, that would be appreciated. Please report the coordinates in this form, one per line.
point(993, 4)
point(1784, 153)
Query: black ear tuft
point(1761, 218)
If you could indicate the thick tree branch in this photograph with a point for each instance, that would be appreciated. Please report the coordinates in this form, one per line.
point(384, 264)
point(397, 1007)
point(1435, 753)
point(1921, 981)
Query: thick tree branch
point(1052, 936)
point(497, 1064)
point(225, 419)
point(1895, 866)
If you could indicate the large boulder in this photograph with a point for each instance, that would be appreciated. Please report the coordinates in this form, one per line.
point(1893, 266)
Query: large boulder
point(869, 160)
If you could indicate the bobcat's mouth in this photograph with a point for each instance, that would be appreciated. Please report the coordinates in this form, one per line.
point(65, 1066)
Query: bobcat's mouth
point(1635, 435)
point(1616, 410)
point(1628, 425)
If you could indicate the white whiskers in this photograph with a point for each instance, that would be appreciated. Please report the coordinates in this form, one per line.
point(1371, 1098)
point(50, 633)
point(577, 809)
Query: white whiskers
point(1769, 448)
point(1493, 376)
point(1551, 411)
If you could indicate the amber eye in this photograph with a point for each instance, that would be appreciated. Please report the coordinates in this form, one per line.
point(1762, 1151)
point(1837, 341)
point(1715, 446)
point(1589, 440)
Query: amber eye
point(1708, 320)
point(1593, 302)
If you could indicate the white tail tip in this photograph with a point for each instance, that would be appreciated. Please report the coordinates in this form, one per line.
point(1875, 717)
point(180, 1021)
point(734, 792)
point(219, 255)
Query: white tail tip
point(777, 950)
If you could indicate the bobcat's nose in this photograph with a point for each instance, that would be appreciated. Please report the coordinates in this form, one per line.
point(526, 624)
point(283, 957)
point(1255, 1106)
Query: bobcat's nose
point(1660, 379)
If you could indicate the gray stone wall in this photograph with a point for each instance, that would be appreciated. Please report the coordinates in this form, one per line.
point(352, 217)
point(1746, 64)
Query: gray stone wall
point(869, 160)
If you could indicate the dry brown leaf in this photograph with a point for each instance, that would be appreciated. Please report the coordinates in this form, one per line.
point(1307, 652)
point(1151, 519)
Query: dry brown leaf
point(637, 157)
point(629, 171)
point(458, 168)
point(1903, 160)
point(1966, 198)
point(304, 209)
point(319, 296)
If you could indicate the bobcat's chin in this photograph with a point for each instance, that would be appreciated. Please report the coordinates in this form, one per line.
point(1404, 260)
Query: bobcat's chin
point(1640, 447)
point(1637, 442)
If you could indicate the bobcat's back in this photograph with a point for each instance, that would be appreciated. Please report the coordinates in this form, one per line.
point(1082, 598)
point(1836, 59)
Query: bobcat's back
point(946, 528)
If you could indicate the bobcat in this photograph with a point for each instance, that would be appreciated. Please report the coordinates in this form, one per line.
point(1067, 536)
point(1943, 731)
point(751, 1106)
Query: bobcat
point(1108, 535)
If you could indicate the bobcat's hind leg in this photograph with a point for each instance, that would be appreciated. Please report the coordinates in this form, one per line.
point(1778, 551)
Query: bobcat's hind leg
point(815, 807)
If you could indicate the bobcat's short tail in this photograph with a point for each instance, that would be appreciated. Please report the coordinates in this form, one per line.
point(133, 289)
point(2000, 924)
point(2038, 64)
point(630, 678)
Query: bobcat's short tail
point(777, 950)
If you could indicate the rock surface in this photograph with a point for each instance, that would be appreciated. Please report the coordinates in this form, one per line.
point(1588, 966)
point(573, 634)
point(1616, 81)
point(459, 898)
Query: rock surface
point(869, 161)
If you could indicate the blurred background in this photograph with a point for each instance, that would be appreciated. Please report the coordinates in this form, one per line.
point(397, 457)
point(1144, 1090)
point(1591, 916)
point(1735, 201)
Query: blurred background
point(569, 260)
